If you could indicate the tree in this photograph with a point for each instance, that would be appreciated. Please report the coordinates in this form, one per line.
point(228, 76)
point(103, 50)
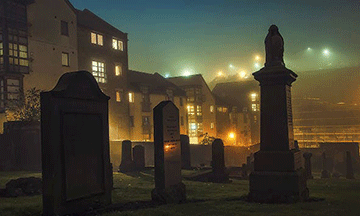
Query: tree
point(27, 108)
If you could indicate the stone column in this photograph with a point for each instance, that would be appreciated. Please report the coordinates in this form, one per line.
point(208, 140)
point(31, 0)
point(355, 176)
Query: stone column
point(307, 157)
point(349, 167)
point(278, 174)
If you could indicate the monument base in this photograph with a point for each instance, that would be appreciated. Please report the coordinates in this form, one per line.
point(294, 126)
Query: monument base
point(172, 194)
point(278, 187)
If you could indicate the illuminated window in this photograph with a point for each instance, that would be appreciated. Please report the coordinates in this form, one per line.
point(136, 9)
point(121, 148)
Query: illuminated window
point(1, 49)
point(131, 97)
point(224, 109)
point(212, 125)
point(191, 110)
point(64, 28)
point(118, 95)
point(117, 44)
point(65, 59)
point(198, 110)
point(220, 109)
point(98, 71)
point(253, 107)
point(253, 97)
point(18, 54)
point(97, 39)
point(118, 70)
point(211, 108)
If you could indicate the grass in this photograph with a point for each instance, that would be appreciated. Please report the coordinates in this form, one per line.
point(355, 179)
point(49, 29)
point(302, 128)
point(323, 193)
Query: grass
point(341, 197)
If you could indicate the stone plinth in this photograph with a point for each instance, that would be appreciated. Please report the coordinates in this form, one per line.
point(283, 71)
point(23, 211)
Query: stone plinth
point(278, 175)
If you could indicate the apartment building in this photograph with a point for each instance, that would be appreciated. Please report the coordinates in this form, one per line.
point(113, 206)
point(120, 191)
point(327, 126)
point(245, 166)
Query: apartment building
point(145, 92)
point(201, 109)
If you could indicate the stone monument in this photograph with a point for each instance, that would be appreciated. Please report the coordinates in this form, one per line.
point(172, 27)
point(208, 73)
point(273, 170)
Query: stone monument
point(139, 157)
point(185, 152)
point(76, 169)
point(167, 152)
point(126, 164)
point(218, 162)
point(278, 174)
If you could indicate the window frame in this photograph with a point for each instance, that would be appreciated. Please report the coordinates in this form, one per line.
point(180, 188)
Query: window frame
point(97, 40)
point(67, 59)
point(64, 28)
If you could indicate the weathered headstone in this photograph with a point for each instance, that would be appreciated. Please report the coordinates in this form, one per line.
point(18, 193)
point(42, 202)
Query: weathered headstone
point(167, 152)
point(218, 162)
point(278, 173)
point(324, 173)
point(349, 166)
point(75, 146)
point(139, 157)
point(307, 157)
point(244, 172)
point(185, 152)
point(126, 164)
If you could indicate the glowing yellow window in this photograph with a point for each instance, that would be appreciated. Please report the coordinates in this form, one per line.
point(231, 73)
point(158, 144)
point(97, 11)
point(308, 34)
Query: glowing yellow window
point(131, 97)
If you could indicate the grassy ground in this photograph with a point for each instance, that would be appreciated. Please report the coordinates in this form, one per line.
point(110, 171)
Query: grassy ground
point(341, 197)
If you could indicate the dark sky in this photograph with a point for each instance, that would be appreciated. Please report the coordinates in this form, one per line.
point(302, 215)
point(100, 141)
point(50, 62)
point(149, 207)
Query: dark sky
point(207, 36)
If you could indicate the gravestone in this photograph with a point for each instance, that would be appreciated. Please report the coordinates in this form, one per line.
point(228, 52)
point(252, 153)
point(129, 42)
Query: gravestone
point(324, 173)
point(244, 172)
point(76, 170)
point(126, 164)
point(278, 174)
point(307, 157)
point(139, 157)
point(167, 152)
point(185, 152)
point(218, 162)
point(349, 166)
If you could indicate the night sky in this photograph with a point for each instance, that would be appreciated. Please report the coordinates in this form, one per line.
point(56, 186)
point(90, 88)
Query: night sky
point(208, 36)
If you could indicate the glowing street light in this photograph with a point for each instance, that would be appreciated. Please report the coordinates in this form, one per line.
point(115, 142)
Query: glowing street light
point(231, 66)
point(257, 58)
point(220, 74)
point(309, 49)
point(187, 73)
point(326, 52)
point(167, 75)
point(257, 65)
point(231, 135)
point(242, 74)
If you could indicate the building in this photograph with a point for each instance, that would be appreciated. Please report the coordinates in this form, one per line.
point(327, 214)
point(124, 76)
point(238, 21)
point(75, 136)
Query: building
point(145, 92)
point(244, 97)
point(103, 51)
point(201, 107)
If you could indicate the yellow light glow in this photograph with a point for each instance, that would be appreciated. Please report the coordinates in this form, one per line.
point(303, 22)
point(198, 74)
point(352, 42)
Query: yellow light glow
point(253, 96)
point(220, 73)
point(242, 74)
point(231, 135)
point(257, 57)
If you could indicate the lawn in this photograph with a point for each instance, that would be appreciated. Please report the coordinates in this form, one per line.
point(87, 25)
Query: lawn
point(330, 197)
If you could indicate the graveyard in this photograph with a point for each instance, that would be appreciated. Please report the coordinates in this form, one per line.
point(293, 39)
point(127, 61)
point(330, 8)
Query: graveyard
point(132, 196)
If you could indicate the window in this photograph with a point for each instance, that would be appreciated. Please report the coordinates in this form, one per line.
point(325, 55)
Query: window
point(118, 96)
point(13, 89)
point(131, 97)
point(146, 120)
point(64, 28)
point(181, 101)
point(253, 97)
point(220, 109)
point(211, 108)
point(98, 71)
point(198, 110)
point(212, 125)
point(18, 54)
point(132, 121)
point(169, 94)
point(65, 59)
point(118, 44)
point(191, 110)
point(254, 107)
point(1, 49)
point(118, 70)
point(225, 109)
point(97, 39)
point(182, 120)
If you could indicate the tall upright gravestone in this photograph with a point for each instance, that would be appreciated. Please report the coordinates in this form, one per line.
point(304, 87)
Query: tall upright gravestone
point(167, 152)
point(278, 175)
point(76, 168)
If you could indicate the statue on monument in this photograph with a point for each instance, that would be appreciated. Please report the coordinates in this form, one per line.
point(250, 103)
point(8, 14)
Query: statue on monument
point(274, 47)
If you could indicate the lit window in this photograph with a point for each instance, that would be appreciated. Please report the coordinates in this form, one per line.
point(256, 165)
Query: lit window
point(1, 49)
point(118, 70)
point(253, 107)
point(212, 125)
point(98, 71)
point(211, 108)
point(198, 110)
point(118, 95)
point(191, 110)
point(220, 109)
point(118, 44)
point(65, 59)
point(131, 97)
point(18, 54)
point(224, 109)
point(97, 39)
point(253, 97)
point(64, 28)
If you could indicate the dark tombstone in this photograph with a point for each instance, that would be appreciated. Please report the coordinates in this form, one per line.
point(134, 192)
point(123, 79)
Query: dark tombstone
point(185, 152)
point(167, 152)
point(75, 146)
point(139, 157)
point(244, 172)
point(349, 167)
point(218, 162)
point(324, 173)
point(296, 145)
point(126, 164)
point(307, 157)
point(278, 173)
